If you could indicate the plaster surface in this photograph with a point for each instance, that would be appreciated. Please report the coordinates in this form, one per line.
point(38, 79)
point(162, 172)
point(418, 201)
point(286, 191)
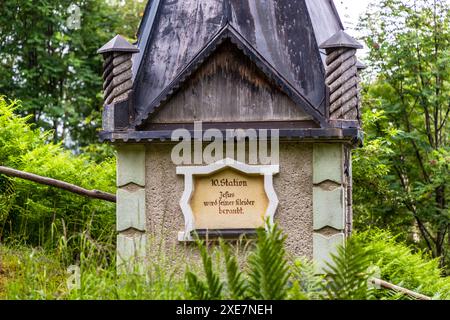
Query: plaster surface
point(293, 185)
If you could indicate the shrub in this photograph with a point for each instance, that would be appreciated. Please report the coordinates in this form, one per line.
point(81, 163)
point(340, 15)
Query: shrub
point(40, 215)
point(349, 273)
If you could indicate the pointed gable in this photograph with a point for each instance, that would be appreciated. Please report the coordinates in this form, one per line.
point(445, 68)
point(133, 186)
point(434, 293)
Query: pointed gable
point(178, 32)
point(278, 34)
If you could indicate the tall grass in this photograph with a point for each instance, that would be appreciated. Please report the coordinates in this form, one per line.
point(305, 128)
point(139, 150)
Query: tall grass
point(265, 272)
point(45, 231)
point(45, 274)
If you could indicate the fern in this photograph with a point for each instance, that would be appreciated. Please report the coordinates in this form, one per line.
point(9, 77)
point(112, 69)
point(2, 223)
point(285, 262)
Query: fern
point(211, 288)
point(236, 282)
point(215, 286)
point(267, 278)
point(7, 186)
point(348, 278)
point(269, 271)
point(385, 294)
point(196, 288)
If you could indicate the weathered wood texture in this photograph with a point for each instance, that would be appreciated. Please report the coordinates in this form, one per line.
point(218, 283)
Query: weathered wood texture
point(117, 77)
point(181, 29)
point(342, 81)
point(229, 88)
point(281, 32)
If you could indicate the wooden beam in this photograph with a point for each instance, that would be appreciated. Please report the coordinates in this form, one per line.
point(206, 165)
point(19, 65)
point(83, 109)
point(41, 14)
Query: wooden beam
point(339, 134)
point(300, 124)
point(95, 194)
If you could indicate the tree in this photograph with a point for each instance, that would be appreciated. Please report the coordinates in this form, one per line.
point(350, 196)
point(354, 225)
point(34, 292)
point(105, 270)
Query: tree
point(407, 106)
point(48, 60)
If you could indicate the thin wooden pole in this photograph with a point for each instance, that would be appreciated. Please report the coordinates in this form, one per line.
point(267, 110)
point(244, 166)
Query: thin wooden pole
point(390, 286)
point(95, 194)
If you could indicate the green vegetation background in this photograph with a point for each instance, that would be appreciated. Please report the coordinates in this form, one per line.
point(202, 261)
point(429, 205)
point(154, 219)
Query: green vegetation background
point(401, 174)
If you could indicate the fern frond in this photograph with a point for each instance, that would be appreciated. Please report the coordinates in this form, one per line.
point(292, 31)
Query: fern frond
point(196, 288)
point(213, 282)
point(236, 282)
point(385, 294)
point(348, 276)
point(306, 283)
point(7, 186)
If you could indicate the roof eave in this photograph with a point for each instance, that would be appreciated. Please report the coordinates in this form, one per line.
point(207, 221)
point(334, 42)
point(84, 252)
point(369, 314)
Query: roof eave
point(343, 135)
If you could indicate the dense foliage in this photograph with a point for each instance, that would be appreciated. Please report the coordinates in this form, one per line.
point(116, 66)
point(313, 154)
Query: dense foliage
point(401, 264)
point(48, 60)
point(34, 213)
point(404, 167)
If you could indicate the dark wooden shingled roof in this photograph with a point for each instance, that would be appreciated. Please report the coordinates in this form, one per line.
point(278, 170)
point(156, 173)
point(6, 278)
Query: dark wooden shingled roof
point(281, 36)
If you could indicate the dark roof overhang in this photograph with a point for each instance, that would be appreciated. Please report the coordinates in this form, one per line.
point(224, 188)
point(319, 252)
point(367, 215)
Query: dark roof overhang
point(353, 136)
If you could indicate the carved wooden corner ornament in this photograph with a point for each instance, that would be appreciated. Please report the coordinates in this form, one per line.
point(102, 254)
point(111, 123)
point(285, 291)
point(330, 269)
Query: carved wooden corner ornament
point(342, 76)
point(117, 69)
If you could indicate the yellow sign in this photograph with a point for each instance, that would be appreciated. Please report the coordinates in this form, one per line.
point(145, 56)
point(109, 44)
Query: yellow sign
point(229, 199)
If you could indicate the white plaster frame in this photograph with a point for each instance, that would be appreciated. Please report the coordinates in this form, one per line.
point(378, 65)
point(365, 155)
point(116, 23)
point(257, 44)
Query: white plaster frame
point(268, 171)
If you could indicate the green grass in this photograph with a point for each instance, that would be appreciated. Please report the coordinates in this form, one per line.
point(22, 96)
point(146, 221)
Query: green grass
point(220, 272)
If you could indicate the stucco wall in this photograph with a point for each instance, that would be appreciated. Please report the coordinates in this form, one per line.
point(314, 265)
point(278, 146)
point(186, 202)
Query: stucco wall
point(293, 185)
